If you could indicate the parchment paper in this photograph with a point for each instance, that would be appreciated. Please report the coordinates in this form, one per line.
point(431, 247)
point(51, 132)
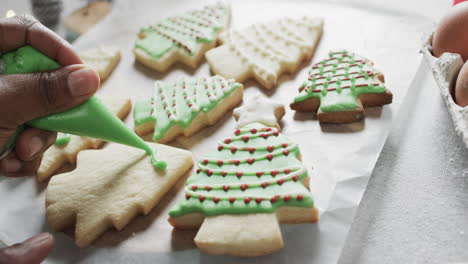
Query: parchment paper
point(340, 158)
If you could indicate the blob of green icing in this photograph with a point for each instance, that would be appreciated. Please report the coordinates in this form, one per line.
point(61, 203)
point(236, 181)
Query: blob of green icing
point(63, 140)
point(27, 60)
point(255, 171)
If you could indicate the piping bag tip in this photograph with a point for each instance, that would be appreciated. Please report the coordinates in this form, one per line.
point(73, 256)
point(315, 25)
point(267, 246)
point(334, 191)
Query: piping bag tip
point(159, 164)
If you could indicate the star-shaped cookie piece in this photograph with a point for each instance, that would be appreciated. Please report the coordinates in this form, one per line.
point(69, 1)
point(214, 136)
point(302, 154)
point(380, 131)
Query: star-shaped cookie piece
point(259, 109)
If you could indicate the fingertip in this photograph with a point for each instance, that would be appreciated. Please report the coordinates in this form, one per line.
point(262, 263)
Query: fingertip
point(83, 82)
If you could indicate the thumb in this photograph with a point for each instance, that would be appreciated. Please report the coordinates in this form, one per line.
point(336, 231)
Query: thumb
point(24, 97)
point(31, 251)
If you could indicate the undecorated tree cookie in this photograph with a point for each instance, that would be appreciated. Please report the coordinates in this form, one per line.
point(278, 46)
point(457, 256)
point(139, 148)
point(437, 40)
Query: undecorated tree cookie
point(264, 51)
point(67, 146)
point(184, 38)
point(185, 106)
point(339, 87)
point(103, 59)
point(251, 182)
point(109, 187)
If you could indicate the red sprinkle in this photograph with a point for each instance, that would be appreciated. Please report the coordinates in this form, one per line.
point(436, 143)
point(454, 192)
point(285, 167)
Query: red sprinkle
point(187, 196)
point(201, 198)
point(220, 163)
point(276, 133)
point(252, 150)
point(194, 188)
point(243, 186)
point(247, 200)
point(223, 173)
point(264, 184)
point(269, 157)
point(209, 172)
point(215, 199)
point(265, 136)
point(270, 148)
point(232, 199)
point(295, 178)
point(251, 160)
point(299, 197)
point(258, 200)
point(284, 145)
point(287, 198)
point(239, 174)
point(205, 162)
point(259, 174)
point(273, 199)
point(245, 138)
point(268, 129)
point(236, 162)
point(253, 130)
point(220, 148)
point(208, 188)
point(237, 132)
point(280, 181)
point(287, 171)
point(227, 141)
point(286, 152)
point(274, 173)
point(198, 171)
point(233, 149)
point(226, 188)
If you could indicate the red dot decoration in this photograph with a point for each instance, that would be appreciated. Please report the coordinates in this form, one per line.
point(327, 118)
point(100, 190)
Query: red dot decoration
point(194, 188)
point(209, 172)
point(208, 188)
point(299, 197)
point(198, 171)
point(239, 174)
point(253, 130)
point(187, 196)
point(237, 132)
point(233, 149)
point(274, 173)
point(268, 129)
point(259, 174)
point(205, 162)
point(220, 163)
point(287, 171)
point(232, 199)
point(265, 136)
point(251, 160)
point(295, 178)
point(287, 198)
point(220, 148)
point(223, 173)
point(245, 138)
point(269, 157)
point(286, 152)
point(236, 162)
point(243, 186)
point(280, 181)
point(284, 145)
point(276, 133)
point(215, 199)
point(247, 200)
point(258, 200)
point(201, 198)
point(252, 150)
point(273, 199)
point(270, 148)
point(264, 184)
point(227, 141)
point(226, 188)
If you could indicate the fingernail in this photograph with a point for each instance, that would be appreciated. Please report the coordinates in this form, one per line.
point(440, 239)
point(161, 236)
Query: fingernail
point(11, 165)
point(35, 145)
point(38, 239)
point(82, 82)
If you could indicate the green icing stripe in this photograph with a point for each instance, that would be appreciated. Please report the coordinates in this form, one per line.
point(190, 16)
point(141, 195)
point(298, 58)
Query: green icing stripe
point(339, 80)
point(185, 32)
point(179, 102)
point(257, 170)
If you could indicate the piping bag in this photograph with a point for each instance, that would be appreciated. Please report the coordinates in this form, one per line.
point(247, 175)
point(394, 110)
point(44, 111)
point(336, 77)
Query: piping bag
point(90, 119)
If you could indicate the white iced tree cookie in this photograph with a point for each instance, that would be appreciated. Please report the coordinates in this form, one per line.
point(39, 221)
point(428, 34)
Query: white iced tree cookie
point(109, 187)
point(67, 147)
point(184, 38)
point(265, 50)
point(241, 192)
point(185, 106)
point(103, 59)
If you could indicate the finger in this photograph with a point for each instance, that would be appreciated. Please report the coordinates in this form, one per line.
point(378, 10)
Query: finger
point(32, 142)
point(28, 96)
point(18, 31)
point(12, 166)
point(31, 251)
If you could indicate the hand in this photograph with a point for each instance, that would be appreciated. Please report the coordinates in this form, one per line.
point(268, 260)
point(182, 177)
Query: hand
point(31, 251)
point(24, 97)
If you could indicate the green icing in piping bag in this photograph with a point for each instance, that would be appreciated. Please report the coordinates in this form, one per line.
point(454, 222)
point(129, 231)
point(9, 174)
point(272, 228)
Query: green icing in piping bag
point(90, 119)
point(63, 140)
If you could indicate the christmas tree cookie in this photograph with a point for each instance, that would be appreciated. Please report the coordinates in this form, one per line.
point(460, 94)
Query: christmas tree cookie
point(103, 59)
point(109, 187)
point(67, 146)
point(251, 182)
point(339, 87)
point(185, 106)
point(184, 38)
point(265, 50)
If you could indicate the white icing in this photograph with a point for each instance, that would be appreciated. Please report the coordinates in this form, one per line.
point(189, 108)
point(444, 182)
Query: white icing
point(264, 50)
point(445, 70)
point(257, 109)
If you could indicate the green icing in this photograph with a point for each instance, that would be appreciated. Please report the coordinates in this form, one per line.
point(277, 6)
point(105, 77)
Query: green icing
point(339, 80)
point(185, 31)
point(63, 140)
point(179, 102)
point(27, 60)
point(90, 119)
point(257, 164)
